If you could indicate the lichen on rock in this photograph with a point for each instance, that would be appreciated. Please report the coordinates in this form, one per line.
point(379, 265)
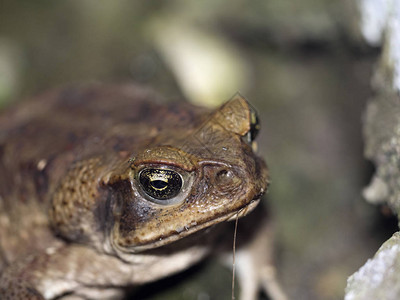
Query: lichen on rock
point(378, 278)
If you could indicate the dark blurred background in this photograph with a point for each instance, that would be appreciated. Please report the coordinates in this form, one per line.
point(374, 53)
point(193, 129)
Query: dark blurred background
point(303, 65)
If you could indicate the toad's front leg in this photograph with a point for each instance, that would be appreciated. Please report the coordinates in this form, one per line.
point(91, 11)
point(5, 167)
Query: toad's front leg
point(254, 257)
point(65, 271)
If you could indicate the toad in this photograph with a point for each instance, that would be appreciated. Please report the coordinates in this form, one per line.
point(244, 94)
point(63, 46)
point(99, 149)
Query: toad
point(105, 187)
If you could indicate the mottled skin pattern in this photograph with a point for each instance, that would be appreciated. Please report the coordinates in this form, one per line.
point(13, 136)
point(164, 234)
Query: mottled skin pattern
point(74, 220)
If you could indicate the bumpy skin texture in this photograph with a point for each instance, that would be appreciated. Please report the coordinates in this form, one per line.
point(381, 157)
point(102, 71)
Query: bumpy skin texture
point(74, 218)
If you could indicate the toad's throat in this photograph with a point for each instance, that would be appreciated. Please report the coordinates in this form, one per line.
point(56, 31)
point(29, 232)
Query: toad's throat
point(181, 233)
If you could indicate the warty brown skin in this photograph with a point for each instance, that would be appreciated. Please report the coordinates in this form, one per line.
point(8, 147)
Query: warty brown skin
point(74, 216)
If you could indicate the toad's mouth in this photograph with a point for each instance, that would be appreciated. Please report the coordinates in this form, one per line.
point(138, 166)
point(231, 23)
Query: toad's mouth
point(181, 233)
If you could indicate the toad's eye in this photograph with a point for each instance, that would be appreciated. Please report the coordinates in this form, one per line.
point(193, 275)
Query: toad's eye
point(160, 184)
point(254, 126)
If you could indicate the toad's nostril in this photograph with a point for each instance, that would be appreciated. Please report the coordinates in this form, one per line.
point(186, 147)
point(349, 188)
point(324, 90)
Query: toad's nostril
point(224, 176)
point(222, 173)
point(227, 182)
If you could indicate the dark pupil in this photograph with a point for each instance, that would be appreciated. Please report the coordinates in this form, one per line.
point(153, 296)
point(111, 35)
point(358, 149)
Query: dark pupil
point(160, 184)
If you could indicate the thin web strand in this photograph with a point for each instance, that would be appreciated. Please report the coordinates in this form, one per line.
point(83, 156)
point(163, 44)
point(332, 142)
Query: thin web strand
point(233, 256)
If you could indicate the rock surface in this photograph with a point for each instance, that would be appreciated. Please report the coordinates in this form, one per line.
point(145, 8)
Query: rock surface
point(378, 278)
